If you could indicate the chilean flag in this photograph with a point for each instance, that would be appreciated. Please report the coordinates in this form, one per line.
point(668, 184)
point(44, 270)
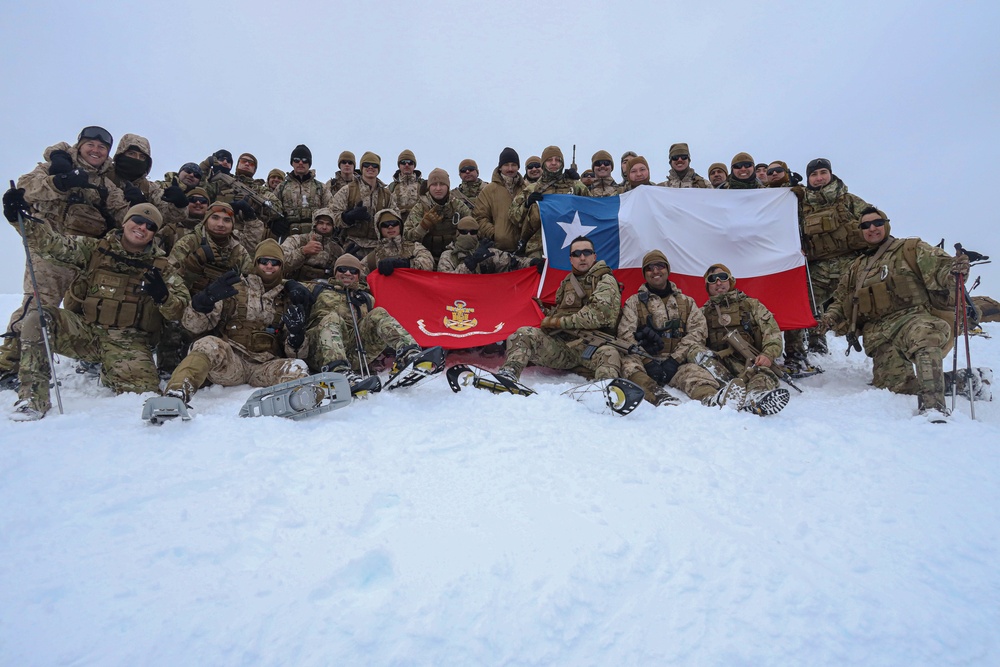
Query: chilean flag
point(753, 232)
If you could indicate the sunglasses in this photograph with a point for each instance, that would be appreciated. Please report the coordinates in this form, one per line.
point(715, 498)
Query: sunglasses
point(299, 160)
point(582, 253)
point(346, 162)
point(369, 165)
point(534, 165)
point(775, 170)
point(390, 223)
point(599, 163)
point(466, 170)
point(269, 261)
point(675, 158)
point(716, 277)
point(197, 200)
point(348, 269)
point(98, 133)
point(468, 231)
point(656, 265)
point(868, 223)
point(140, 220)
point(743, 165)
point(407, 163)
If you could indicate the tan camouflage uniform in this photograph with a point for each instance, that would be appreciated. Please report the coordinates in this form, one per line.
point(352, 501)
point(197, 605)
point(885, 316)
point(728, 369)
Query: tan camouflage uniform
point(374, 199)
point(299, 266)
point(605, 187)
point(467, 193)
point(444, 218)
point(338, 183)
point(300, 198)
point(689, 179)
point(406, 189)
point(499, 261)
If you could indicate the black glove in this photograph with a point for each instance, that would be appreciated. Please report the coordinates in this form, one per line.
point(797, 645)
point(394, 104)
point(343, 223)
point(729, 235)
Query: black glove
point(355, 215)
point(217, 290)
point(77, 178)
point(133, 195)
point(351, 248)
point(481, 253)
point(280, 226)
point(389, 264)
point(243, 207)
point(654, 369)
point(538, 263)
point(298, 293)
point(359, 298)
point(571, 173)
point(294, 319)
point(649, 339)
point(534, 198)
point(60, 162)
point(794, 178)
point(218, 168)
point(13, 204)
point(175, 195)
point(669, 366)
point(154, 286)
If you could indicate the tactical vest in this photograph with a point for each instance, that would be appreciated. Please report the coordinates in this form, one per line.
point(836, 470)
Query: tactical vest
point(894, 291)
point(202, 266)
point(831, 231)
point(571, 302)
point(740, 319)
point(299, 213)
point(108, 293)
point(673, 330)
point(251, 335)
point(378, 199)
point(84, 213)
point(442, 233)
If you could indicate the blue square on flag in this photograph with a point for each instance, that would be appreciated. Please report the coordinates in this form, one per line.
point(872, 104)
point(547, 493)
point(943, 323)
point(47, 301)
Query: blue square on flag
point(565, 217)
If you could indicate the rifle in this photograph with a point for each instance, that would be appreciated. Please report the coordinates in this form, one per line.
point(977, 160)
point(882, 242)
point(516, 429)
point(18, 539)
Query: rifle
point(242, 189)
point(747, 351)
point(572, 165)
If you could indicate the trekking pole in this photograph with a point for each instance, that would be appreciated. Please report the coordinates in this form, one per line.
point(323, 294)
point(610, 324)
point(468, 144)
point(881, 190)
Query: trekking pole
point(38, 304)
point(960, 304)
point(954, 337)
point(362, 357)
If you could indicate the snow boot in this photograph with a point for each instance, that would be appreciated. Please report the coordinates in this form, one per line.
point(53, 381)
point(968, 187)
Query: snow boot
point(765, 402)
point(25, 411)
point(730, 395)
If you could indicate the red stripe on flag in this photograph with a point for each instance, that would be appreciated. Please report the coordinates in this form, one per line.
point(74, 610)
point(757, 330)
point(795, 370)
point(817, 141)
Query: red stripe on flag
point(458, 310)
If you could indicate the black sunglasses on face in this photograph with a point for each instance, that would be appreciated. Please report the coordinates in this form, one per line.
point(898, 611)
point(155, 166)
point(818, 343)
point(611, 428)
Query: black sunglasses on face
point(582, 253)
point(868, 223)
point(348, 269)
point(675, 158)
point(269, 261)
point(743, 165)
point(599, 163)
point(775, 170)
point(534, 165)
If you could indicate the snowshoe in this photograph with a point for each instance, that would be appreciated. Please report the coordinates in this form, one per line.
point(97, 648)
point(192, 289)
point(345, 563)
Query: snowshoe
point(796, 368)
point(361, 387)
point(763, 403)
point(300, 398)
point(663, 397)
point(159, 409)
point(464, 375)
point(982, 383)
point(619, 395)
point(978, 331)
point(416, 368)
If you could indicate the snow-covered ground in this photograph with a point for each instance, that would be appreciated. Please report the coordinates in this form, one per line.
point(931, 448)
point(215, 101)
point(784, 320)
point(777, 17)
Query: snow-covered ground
point(424, 527)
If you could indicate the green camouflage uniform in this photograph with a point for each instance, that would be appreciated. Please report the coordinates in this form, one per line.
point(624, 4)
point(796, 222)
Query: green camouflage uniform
point(525, 216)
point(757, 327)
point(492, 210)
point(561, 347)
point(330, 336)
point(302, 267)
point(114, 323)
point(444, 217)
point(894, 315)
point(467, 193)
point(150, 189)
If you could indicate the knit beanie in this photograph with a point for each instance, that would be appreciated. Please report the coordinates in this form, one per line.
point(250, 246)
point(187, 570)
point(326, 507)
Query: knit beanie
point(276, 172)
point(679, 149)
point(716, 268)
point(718, 165)
point(534, 158)
point(438, 175)
point(776, 180)
point(636, 160)
point(407, 154)
point(818, 163)
point(741, 157)
point(192, 168)
point(350, 261)
point(371, 158)
point(601, 155)
point(198, 192)
point(468, 162)
point(468, 222)
point(552, 151)
point(223, 154)
point(654, 256)
point(509, 155)
point(147, 211)
point(303, 153)
point(268, 248)
point(348, 156)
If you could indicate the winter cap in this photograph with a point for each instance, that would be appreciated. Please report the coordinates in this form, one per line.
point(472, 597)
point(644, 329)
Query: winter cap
point(275, 172)
point(269, 248)
point(776, 180)
point(876, 209)
point(715, 268)
point(347, 155)
point(146, 212)
point(601, 155)
point(679, 149)
point(348, 260)
point(438, 175)
point(325, 212)
point(192, 168)
point(225, 207)
point(386, 214)
point(759, 165)
point(303, 153)
point(818, 163)
point(407, 154)
point(636, 160)
point(198, 192)
point(509, 155)
point(654, 256)
point(223, 154)
point(552, 151)
point(371, 158)
point(533, 158)
point(626, 156)
point(468, 162)
point(718, 165)
point(468, 222)
point(741, 157)
point(97, 133)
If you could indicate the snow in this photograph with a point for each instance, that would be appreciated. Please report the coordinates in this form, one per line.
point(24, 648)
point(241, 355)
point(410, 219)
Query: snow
point(423, 527)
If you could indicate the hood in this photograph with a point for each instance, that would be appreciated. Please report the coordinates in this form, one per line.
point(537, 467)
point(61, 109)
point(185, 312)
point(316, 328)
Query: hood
point(138, 142)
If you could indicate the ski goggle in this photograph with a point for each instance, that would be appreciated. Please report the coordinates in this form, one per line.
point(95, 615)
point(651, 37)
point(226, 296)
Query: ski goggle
point(96, 133)
point(716, 277)
point(586, 252)
point(868, 223)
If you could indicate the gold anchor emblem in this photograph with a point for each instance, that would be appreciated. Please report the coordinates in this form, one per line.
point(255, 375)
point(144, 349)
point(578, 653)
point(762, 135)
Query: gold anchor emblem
point(459, 320)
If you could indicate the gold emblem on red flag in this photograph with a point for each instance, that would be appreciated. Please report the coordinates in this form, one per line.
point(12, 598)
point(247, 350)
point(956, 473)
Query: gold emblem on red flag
point(459, 320)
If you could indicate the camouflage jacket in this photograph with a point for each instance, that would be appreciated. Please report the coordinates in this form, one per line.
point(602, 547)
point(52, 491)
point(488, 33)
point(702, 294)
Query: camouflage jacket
point(199, 260)
point(406, 190)
point(374, 199)
point(174, 230)
point(444, 216)
point(605, 187)
point(499, 261)
point(151, 189)
point(299, 198)
point(467, 192)
point(525, 215)
point(492, 211)
point(299, 266)
point(597, 308)
point(734, 310)
point(684, 325)
point(828, 221)
point(689, 179)
point(338, 182)
point(420, 257)
point(733, 183)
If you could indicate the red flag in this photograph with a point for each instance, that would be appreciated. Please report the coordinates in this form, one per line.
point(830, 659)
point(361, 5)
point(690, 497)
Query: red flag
point(456, 310)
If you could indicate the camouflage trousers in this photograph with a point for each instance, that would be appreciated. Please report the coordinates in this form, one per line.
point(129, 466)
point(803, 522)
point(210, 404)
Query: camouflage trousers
point(825, 276)
point(696, 382)
point(918, 344)
point(558, 350)
point(756, 378)
point(125, 355)
point(53, 281)
point(212, 358)
point(332, 339)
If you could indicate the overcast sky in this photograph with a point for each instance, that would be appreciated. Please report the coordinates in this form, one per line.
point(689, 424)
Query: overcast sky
point(900, 96)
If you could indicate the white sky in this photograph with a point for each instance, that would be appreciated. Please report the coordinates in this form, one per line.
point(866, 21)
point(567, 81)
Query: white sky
point(901, 96)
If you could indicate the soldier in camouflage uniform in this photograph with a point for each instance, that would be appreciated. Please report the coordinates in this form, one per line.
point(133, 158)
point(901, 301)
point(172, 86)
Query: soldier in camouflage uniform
point(470, 187)
point(681, 174)
point(587, 299)
point(743, 176)
point(717, 174)
point(188, 176)
point(251, 342)
point(492, 207)
point(392, 251)
point(532, 169)
point(275, 177)
point(623, 165)
point(346, 174)
point(311, 256)
point(354, 206)
point(671, 328)
point(120, 297)
point(434, 216)
point(73, 192)
point(132, 164)
point(173, 231)
point(468, 254)
point(251, 217)
point(885, 295)
point(299, 195)
point(406, 186)
point(331, 343)
point(604, 185)
point(524, 209)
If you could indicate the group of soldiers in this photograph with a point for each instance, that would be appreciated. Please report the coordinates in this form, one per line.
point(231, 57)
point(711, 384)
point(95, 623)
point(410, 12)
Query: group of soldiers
point(233, 279)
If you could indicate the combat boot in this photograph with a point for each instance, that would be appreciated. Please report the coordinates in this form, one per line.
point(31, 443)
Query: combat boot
point(730, 395)
point(817, 343)
point(26, 411)
point(9, 381)
point(763, 402)
point(360, 386)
